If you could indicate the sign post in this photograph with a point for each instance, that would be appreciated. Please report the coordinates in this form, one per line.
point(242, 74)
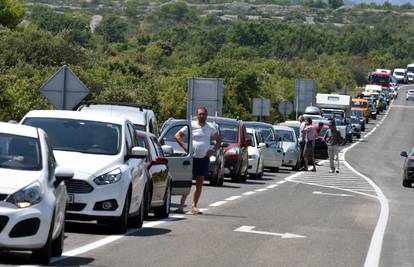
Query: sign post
point(64, 90)
point(285, 108)
point(205, 92)
point(305, 91)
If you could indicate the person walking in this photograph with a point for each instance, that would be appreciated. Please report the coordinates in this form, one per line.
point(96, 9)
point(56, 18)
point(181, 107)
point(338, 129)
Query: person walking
point(333, 138)
point(309, 132)
point(202, 132)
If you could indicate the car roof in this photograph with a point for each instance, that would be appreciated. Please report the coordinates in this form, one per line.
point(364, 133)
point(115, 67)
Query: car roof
point(18, 129)
point(76, 115)
point(256, 123)
point(282, 127)
point(293, 123)
point(136, 115)
point(223, 119)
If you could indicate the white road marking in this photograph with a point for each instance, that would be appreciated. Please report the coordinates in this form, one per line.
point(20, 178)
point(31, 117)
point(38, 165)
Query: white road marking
point(281, 182)
point(330, 194)
point(272, 186)
point(248, 193)
point(232, 198)
point(249, 229)
point(261, 189)
point(218, 203)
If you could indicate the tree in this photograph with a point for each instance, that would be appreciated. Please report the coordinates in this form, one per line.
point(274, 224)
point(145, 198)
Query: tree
point(112, 29)
point(11, 13)
point(334, 4)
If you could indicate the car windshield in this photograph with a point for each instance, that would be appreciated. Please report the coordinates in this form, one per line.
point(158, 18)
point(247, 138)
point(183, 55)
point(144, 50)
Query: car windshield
point(354, 121)
point(399, 73)
point(379, 78)
point(83, 136)
point(229, 133)
point(357, 113)
point(359, 104)
point(19, 152)
point(285, 135)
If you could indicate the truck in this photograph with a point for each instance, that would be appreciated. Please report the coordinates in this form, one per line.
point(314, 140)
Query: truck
point(338, 108)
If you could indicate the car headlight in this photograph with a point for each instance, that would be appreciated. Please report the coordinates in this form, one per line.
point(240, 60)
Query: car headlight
point(213, 158)
point(233, 151)
point(26, 197)
point(109, 178)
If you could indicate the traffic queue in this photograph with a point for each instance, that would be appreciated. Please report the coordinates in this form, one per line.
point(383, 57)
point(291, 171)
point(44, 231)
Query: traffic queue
point(109, 162)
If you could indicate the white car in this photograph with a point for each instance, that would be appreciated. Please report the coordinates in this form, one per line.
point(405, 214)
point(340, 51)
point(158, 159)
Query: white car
point(410, 77)
point(110, 180)
point(400, 75)
point(291, 147)
point(32, 193)
point(255, 152)
point(410, 95)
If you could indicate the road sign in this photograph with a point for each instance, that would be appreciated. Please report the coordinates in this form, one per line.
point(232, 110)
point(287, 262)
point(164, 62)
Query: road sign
point(64, 90)
point(304, 94)
point(261, 107)
point(285, 108)
point(205, 92)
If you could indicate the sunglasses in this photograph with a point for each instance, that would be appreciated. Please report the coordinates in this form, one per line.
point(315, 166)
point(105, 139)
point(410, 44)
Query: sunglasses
point(201, 114)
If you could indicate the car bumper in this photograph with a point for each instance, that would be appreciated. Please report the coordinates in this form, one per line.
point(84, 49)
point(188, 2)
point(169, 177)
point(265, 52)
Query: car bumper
point(410, 97)
point(91, 204)
point(24, 228)
point(232, 165)
point(253, 166)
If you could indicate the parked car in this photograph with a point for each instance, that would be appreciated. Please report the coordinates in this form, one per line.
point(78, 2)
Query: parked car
point(256, 152)
point(159, 180)
point(410, 77)
point(32, 193)
point(141, 116)
point(110, 178)
point(356, 126)
point(291, 147)
point(410, 95)
point(217, 163)
point(361, 118)
point(408, 176)
point(400, 75)
point(374, 111)
point(273, 154)
point(233, 133)
point(321, 148)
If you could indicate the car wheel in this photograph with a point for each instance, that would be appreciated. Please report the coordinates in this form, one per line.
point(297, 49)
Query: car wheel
point(43, 254)
point(406, 183)
point(359, 136)
point(137, 220)
point(120, 226)
point(164, 211)
point(57, 244)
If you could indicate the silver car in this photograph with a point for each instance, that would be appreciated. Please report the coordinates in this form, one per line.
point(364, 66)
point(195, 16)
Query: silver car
point(291, 147)
point(410, 95)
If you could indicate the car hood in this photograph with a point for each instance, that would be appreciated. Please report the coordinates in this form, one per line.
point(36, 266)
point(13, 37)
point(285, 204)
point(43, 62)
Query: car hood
point(85, 165)
point(14, 180)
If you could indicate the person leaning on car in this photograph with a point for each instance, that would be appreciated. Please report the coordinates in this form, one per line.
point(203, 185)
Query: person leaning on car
point(332, 138)
point(310, 134)
point(202, 131)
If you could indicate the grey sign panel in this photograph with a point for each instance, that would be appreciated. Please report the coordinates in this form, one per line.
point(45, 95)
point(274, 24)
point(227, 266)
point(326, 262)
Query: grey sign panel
point(285, 107)
point(261, 107)
point(64, 90)
point(305, 91)
point(205, 92)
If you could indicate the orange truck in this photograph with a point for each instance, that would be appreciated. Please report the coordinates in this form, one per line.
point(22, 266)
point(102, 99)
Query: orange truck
point(361, 104)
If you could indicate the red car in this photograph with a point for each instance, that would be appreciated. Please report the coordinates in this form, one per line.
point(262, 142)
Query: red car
point(159, 187)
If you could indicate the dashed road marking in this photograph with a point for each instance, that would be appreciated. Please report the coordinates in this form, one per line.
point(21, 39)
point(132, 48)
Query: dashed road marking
point(232, 198)
point(218, 203)
point(248, 193)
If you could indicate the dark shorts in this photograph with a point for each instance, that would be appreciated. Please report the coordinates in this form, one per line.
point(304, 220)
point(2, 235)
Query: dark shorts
point(201, 166)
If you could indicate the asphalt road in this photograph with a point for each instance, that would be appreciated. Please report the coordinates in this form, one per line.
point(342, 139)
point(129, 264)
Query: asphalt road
point(285, 219)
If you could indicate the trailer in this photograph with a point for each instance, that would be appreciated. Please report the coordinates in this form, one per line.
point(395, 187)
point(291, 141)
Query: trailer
point(334, 101)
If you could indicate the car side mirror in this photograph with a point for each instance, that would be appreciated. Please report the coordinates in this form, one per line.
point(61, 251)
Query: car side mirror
point(224, 145)
point(404, 154)
point(62, 174)
point(167, 150)
point(262, 145)
point(138, 153)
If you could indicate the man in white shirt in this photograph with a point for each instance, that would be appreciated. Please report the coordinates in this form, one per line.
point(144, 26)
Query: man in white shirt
point(202, 131)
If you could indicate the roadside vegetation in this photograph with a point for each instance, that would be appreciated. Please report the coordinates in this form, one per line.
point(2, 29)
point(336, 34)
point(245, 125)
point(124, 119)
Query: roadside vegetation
point(147, 57)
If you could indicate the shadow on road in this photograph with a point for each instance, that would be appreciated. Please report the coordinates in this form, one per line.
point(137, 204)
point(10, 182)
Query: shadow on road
point(151, 232)
point(25, 258)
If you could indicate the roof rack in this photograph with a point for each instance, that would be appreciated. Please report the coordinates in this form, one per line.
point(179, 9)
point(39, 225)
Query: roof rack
point(91, 102)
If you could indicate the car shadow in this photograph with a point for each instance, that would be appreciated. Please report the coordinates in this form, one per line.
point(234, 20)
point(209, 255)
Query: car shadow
point(151, 232)
point(25, 258)
point(220, 215)
point(73, 261)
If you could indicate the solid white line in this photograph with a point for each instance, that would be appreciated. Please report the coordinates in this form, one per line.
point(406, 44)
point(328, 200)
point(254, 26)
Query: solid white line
point(281, 182)
point(272, 186)
point(261, 189)
point(218, 203)
point(248, 193)
point(232, 198)
point(331, 194)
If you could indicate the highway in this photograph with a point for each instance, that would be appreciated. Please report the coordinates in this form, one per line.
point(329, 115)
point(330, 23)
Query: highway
point(286, 219)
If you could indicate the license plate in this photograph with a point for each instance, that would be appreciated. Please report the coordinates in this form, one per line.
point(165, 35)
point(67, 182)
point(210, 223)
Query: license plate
point(71, 198)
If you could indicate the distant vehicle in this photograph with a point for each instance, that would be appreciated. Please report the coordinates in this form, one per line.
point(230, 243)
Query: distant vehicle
point(387, 71)
point(273, 154)
point(362, 105)
point(32, 193)
point(359, 114)
point(410, 77)
point(160, 179)
point(410, 95)
point(291, 147)
point(410, 68)
point(256, 152)
point(379, 78)
point(321, 148)
point(233, 132)
point(356, 126)
point(217, 163)
point(400, 75)
point(141, 116)
point(110, 178)
point(408, 176)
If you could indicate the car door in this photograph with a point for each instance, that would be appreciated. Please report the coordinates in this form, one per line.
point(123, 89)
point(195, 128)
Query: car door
point(159, 171)
point(180, 162)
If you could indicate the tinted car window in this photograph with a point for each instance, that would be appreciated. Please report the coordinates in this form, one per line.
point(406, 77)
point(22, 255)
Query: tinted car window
point(286, 135)
point(19, 152)
point(229, 133)
point(80, 135)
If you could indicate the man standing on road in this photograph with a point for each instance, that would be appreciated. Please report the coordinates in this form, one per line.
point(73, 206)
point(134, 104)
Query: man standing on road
point(332, 138)
point(302, 138)
point(309, 132)
point(202, 132)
